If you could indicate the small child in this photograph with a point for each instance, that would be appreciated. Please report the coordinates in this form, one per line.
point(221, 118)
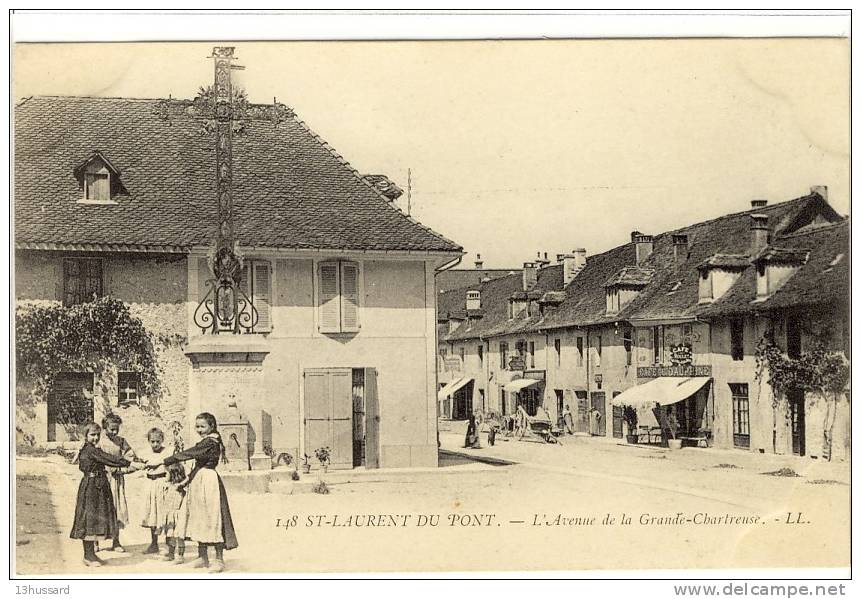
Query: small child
point(95, 515)
point(157, 489)
point(176, 513)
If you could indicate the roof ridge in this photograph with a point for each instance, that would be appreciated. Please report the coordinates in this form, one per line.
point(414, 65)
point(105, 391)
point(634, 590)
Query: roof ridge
point(737, 214)
point(817, 229)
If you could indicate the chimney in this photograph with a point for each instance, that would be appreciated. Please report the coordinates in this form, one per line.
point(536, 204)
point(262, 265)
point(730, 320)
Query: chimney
point(680, 248)
point(642, 246)
point(758, 233)
point(541, 262)
point(473, 300)
point(758, 203)
point(530, 275)
point(822, 190)
point(572, 264)
point(479, 263)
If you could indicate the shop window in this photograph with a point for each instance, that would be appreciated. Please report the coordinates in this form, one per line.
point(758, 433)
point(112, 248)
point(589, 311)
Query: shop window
point(82, 280)
point(740, 415)
point(128, 384)
point(736, 333)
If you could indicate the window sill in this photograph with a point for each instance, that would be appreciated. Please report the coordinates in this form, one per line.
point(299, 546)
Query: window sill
point(98, 202)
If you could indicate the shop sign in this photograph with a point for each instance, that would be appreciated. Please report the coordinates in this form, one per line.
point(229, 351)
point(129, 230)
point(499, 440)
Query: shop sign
point(517, 363)
point(689, 370)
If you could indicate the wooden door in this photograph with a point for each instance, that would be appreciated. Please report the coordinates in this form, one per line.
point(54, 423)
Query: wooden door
point(581, 424)
point(600, 426)
point(797, 419)
point(372, 420)
point(329, 415)
point(617, 419)
point(70, 406)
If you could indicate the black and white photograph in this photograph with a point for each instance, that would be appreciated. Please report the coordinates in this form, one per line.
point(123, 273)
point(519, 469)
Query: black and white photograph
point(447, 306)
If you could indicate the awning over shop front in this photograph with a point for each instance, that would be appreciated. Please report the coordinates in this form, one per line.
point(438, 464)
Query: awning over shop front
point(452, 387)
point(520, 384)
point(663, 390)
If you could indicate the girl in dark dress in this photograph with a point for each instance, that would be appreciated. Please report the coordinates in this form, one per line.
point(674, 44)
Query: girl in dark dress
point(95, 514)
point(208, 516)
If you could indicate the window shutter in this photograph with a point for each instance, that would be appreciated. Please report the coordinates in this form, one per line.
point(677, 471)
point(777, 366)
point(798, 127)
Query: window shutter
point(262, 294)
point(329, 313)
point(245, 286)
point(349, 297)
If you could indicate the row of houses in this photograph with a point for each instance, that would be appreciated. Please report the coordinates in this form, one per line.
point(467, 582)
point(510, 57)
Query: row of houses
point(674, 318)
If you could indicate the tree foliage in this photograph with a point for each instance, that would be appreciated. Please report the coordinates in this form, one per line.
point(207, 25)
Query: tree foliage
point(97, 337)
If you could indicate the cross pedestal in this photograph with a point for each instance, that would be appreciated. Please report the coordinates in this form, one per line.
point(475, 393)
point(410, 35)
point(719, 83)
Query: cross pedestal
point(228, 382)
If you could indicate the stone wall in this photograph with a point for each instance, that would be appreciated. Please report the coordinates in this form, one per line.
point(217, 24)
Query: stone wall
point(155, 289)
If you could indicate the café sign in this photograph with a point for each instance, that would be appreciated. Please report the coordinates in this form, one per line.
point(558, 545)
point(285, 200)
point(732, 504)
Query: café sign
point(687, 370)
point(517, 363)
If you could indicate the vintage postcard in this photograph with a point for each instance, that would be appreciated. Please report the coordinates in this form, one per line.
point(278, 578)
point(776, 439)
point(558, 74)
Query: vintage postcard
point(403, 307)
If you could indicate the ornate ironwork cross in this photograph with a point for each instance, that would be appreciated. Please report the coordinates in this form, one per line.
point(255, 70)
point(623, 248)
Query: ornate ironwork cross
point(225, 308)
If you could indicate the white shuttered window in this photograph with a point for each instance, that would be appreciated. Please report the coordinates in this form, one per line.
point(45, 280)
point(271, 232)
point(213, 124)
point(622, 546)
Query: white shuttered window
point(338, 283)
point(257, 285)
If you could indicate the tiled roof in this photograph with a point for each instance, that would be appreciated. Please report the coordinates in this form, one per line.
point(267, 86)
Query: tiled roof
point(783, 254)
point(823, 279)
point(494, 301)
point(456, 278)
point(733, 261)
point(291, 189)
point(672, 291)
point(632, 276)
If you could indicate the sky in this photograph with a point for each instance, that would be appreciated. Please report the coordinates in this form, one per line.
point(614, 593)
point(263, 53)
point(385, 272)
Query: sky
point(518, 147)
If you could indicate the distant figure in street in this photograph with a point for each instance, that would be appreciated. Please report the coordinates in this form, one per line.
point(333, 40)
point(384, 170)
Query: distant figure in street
point(471, 440)
point(567, 420)
point(112, 443)
point(595, 422)
point(95, 512)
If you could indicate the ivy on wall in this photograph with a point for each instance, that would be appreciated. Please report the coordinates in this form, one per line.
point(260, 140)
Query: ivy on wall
point(817, 371)
point(98, 337)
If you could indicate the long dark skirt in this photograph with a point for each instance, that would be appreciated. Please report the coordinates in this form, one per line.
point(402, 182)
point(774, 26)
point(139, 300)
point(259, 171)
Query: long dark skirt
point(95, 514)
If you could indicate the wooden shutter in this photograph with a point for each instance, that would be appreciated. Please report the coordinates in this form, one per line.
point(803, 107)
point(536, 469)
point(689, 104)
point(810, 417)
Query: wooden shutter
point(372, 420)
point(329, 312)
point(246, 286)
point(349, 297)
point(262, 292)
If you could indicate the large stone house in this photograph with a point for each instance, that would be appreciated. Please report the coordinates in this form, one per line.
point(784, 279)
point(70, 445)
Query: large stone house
point(116, 196)
point(700, 297)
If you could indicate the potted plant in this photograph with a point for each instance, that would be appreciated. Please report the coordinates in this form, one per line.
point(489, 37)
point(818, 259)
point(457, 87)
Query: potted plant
point(322, 454)
point(673, 429)
point(306, 464)
point(629, 414)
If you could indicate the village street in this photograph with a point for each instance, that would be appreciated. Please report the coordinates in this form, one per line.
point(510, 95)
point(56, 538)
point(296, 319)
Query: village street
point(689, 508)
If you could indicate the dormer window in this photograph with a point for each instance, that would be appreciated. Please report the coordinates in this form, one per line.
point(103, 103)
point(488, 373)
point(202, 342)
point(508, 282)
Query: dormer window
point(99, 180)
point(624, 286)
point(718, 273)
point(775, 266)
